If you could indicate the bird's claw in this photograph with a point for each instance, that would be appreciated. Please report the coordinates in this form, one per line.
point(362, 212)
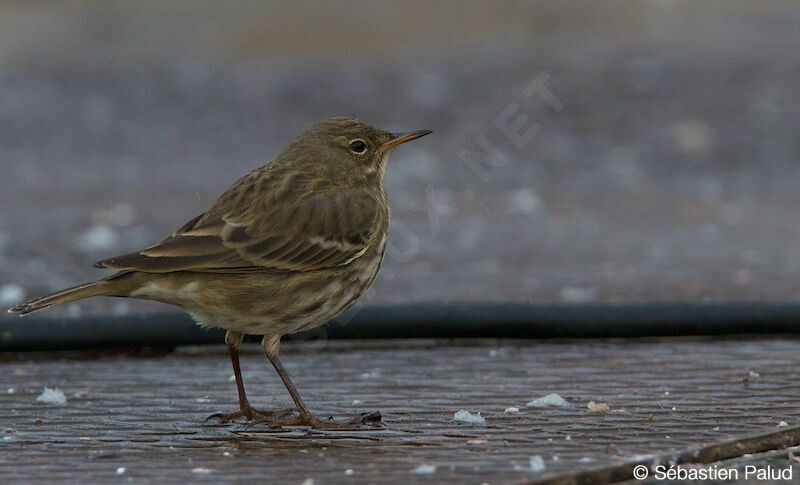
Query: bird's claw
point(250, 414)
point(356, 422)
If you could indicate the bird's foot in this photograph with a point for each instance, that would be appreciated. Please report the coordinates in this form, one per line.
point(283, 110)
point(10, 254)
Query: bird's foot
point(251, 414)
point(356, 422)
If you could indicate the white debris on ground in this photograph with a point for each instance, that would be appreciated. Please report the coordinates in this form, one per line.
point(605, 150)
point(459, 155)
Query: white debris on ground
point(597, 407)
point(201, 470)
point(11, 294)
point(536, 465)
point(586, 459)
point(121, 470)
point(52, 396)
point(97, 238)
point(548, 400)
point(467, 417)
point(425, 469)
point(511, 410)
point(783, 424)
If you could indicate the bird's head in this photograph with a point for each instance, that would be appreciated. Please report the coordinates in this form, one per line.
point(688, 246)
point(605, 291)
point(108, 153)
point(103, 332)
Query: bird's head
point(349, 146)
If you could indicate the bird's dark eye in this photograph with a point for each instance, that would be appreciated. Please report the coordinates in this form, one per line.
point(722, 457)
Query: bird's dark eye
point(358, 146)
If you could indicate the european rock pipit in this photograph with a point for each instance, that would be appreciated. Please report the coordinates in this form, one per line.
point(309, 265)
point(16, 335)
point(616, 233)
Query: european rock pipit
point(289, 246)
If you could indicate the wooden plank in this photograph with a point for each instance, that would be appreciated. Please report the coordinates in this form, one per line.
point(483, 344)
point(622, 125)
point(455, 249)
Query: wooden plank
point(144, 413)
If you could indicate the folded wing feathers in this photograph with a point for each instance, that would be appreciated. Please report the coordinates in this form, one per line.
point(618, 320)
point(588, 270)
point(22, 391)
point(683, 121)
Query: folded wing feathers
point(267, 241)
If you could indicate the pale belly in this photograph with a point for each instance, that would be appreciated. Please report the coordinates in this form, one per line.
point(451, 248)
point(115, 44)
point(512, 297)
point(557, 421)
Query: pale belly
point(266, 305)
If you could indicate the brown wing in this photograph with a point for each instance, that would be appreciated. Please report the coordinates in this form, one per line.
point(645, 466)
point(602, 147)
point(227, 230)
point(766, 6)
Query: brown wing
point(319, 231)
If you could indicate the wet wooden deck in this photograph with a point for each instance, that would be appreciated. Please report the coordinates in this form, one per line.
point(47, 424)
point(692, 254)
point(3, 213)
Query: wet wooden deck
point(139, 417)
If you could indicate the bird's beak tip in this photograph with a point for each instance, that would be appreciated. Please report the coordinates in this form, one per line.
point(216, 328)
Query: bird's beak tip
point(400, 138)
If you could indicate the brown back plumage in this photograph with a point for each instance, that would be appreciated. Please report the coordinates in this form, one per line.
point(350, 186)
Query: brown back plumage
point(315, 206)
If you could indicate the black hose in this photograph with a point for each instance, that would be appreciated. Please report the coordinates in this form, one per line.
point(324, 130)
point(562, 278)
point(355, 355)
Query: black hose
point(423, 320)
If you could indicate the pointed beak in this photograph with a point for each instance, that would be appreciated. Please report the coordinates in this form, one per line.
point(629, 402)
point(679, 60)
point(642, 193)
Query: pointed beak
point(400, 138)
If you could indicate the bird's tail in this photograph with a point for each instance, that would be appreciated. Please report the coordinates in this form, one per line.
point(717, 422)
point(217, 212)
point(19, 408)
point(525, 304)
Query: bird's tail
point(95, 288)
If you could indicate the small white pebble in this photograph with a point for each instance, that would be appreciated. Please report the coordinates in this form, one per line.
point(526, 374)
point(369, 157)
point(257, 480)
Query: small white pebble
point(753, 375)
point(548, 400)
point(201, 470)
point(425, 469)
point(202, 400)
point(226, 453)
point(597, 407)
point(349, 471)
point(568, 438)
point(232, 378)
point(356, 402)
point(52, 396)
point(307, 481)
point(586, 459)
point(536, 465)
point(11, 390)
point(511, 410)
point(467, 417)
point(783, 424)
point(121, 470)
point(715, 428)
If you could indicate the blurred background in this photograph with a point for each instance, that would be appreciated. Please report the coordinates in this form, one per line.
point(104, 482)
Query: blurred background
point(583, 151)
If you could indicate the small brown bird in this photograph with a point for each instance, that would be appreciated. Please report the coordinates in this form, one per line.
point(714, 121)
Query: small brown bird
point(289, 246)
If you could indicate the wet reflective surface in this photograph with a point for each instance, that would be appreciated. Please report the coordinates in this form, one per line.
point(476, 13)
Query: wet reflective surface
point(146, 413)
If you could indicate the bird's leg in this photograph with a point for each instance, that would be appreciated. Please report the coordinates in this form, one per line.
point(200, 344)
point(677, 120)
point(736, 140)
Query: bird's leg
point(232, 340)
point(271, 345)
